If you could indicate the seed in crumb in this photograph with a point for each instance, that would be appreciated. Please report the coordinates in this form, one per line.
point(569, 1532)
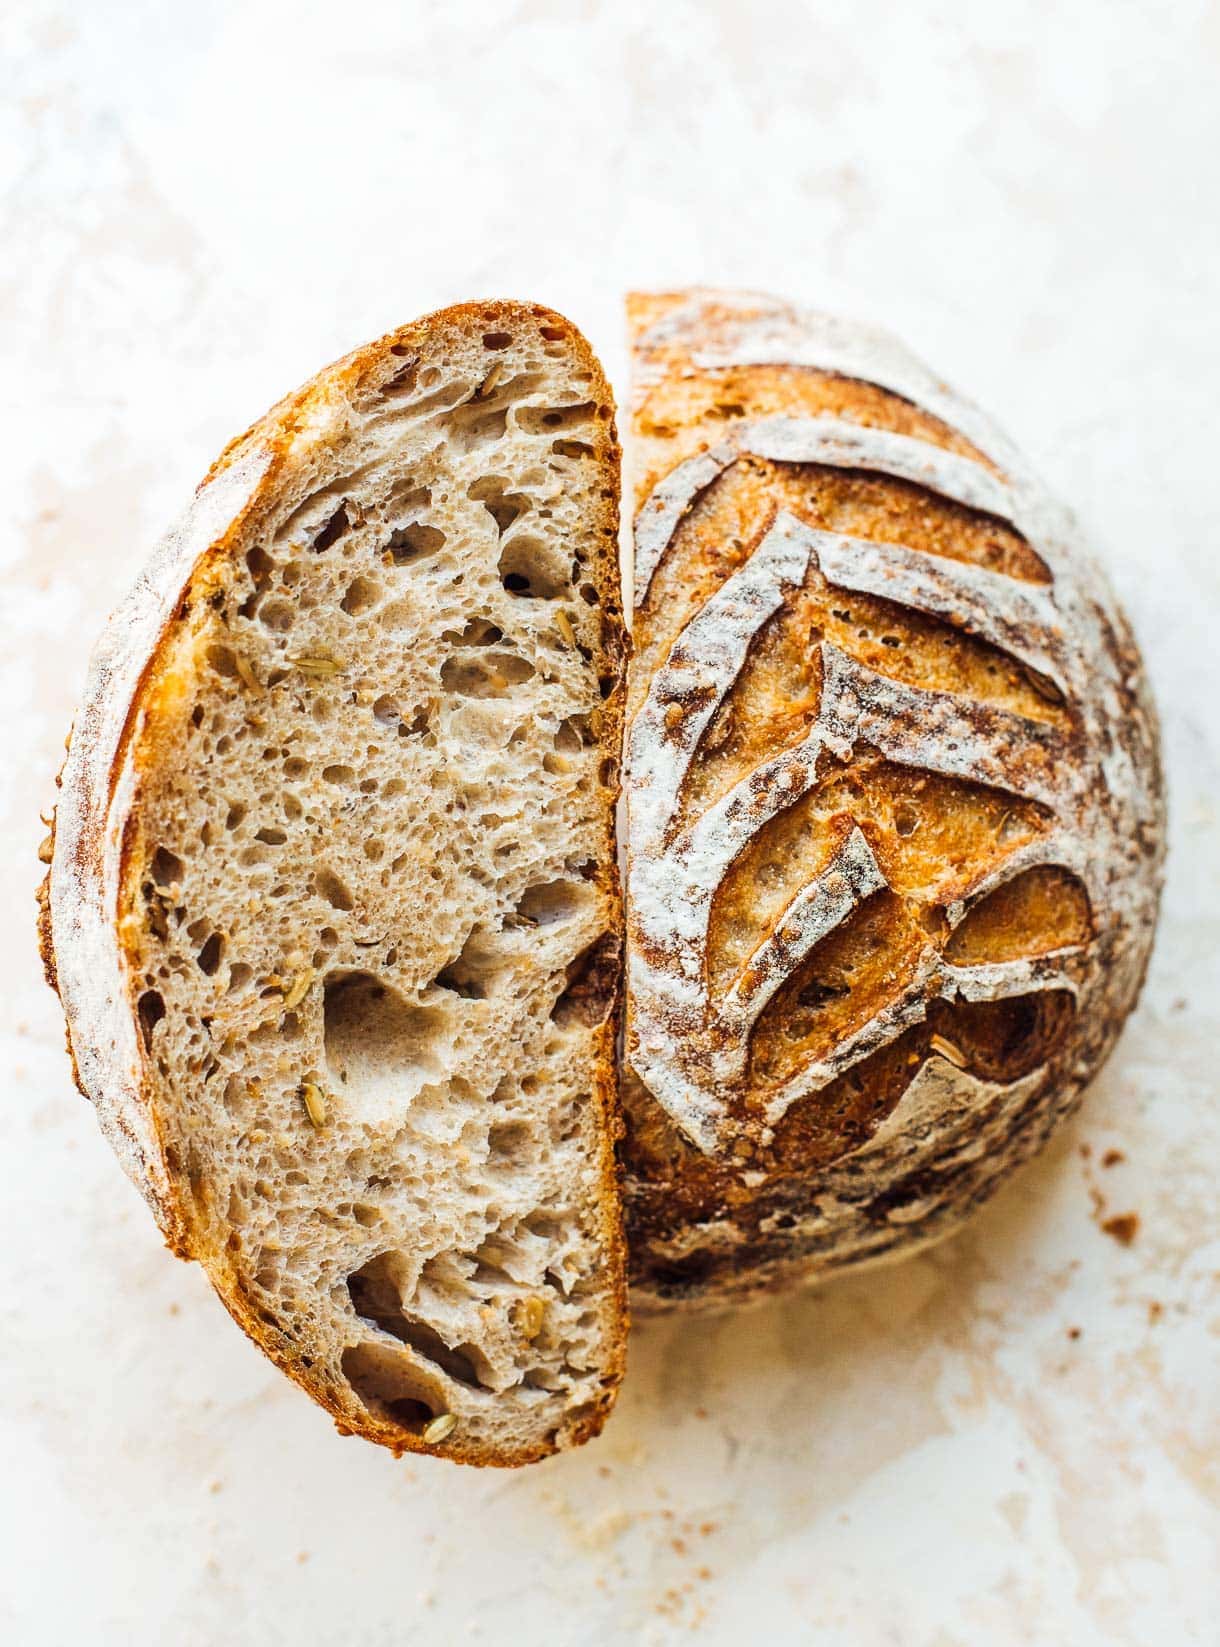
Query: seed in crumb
point(316, 666)
point(673, 715)
point(490, 381)
point(245, 670)
point(1043, 685)
point(314, 1100)
point(441, 1426)
point(564, 625)
point(299, 989)
point(954, 1054)
point(530, 1314)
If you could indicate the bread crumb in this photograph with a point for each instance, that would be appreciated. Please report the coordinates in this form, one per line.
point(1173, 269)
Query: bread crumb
point(1124, 1227)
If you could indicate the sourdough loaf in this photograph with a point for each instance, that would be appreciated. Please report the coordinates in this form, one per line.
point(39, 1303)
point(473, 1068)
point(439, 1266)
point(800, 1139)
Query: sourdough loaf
point(894, 798)
point(332, 902)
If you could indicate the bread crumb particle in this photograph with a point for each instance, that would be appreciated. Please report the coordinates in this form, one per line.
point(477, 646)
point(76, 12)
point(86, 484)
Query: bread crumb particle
point(1123, 1228)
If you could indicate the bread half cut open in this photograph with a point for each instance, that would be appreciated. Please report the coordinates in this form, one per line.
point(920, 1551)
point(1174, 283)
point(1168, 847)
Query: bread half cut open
point(332, 903)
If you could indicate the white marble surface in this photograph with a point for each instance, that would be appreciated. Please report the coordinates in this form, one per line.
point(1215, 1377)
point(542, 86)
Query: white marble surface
point(1013, 1440)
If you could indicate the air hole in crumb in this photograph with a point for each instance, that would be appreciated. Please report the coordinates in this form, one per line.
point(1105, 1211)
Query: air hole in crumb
point(334, 528)
point(478, 632)
point(209, 956)
point(362, 593)
point(389, 1385)
point(376, 1294)
point(271, 836)
point(380, 1048)
point(503, 506)
point(510, 1142)
point(166, 868)
point(403, 380)
point(497, 340)
point(339, 775)
point(571, 448)
point(906, 819)
point(223, 660)
point(549, 902)
point(260, 564)
point(328, 885)
point(239, 975)
point(277, 615)
point(574, 734)
point(530, 568)
point(407, 544)
point(542, 420)
point(592, 984)
point(410, 1415)
point(472, 973)
point(150, 1009)
point(489, 677)
point(477, 424)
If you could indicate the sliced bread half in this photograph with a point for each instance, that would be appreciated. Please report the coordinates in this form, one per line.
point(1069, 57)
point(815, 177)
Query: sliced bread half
point(332, 903)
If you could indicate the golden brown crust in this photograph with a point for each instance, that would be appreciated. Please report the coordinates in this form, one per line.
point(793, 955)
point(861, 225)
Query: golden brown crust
point(275, 439)
point(895, 800)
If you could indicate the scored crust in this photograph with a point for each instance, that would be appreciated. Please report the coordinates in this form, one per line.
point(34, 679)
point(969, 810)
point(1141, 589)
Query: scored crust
point(95, 903)
point(894, 798)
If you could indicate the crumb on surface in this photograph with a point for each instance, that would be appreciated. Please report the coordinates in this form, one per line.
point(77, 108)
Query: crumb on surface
point(1123, 1227)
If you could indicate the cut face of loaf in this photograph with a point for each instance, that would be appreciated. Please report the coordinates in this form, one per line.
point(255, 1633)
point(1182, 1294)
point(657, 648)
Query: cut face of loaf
point(894, 801)
point(333, 902)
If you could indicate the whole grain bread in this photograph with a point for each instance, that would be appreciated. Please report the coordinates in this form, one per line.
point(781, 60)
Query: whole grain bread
point(332, 903)
point(895, 805)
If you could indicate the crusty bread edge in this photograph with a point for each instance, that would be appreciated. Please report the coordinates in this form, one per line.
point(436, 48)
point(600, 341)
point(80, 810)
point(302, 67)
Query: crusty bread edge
point(875, 357)
point(82, 898)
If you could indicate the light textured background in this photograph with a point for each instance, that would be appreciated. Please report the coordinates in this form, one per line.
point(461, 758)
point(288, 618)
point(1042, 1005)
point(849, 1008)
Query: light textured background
point(1013, 1440)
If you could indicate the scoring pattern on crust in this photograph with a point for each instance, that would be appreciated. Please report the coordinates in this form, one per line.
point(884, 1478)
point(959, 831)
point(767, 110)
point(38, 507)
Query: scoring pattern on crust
point(689, 1039)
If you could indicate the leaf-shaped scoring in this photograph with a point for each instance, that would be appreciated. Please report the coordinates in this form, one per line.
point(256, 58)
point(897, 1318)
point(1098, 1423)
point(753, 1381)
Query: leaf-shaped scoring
point(691, 1050)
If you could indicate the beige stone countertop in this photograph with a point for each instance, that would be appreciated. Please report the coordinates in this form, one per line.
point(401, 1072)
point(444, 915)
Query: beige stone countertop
point(1012, 1440)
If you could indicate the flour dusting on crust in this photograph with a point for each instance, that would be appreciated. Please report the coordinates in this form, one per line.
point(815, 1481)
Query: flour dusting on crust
point(1011, 683)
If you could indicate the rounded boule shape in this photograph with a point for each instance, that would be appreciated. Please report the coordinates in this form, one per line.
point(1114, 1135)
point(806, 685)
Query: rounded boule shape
point(896, 813)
